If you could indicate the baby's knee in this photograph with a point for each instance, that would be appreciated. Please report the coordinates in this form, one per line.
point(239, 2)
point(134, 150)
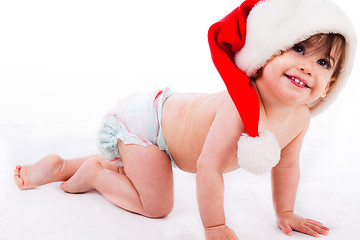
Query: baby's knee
point(94, 161)
point(159, 209)
point(53, 157)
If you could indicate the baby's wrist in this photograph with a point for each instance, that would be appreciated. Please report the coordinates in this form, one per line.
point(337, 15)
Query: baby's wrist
point(278, 213)
point(217, 227)
point(219, 232)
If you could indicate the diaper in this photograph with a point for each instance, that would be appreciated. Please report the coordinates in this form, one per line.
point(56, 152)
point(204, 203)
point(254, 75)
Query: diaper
point(136, 119)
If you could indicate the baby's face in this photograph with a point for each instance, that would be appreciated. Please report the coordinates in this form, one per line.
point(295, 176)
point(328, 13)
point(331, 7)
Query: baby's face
point(297, 77)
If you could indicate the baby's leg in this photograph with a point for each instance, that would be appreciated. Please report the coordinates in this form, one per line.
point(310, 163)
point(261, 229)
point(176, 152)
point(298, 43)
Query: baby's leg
point(145, 187)
point(51, 168)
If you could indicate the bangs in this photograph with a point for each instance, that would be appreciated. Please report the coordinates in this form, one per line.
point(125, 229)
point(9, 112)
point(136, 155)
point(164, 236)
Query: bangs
point(330, 46)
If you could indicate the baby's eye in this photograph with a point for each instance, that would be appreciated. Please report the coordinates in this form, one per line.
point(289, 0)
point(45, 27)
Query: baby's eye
point(324, 63)
point(299, 49)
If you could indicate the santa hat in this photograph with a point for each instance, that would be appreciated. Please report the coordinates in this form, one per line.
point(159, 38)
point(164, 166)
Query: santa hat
point(242, 43)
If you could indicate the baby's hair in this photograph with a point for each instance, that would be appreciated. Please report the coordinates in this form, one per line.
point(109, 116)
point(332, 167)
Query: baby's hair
point(326, 44)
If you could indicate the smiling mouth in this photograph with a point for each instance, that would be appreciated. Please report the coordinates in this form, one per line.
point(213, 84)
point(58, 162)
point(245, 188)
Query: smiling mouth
point(297, 81)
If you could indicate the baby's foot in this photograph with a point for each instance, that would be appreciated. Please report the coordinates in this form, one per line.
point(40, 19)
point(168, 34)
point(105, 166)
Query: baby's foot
point(82, 180)
point(45, 171)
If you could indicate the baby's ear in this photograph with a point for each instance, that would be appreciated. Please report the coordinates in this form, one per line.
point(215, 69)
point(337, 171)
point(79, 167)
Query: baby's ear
point(331, 82)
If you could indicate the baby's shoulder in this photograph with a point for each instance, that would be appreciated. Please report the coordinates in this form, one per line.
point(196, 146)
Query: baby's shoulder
point(227, 113)
point(299, 120)
point(225, 105)
point(296, 126)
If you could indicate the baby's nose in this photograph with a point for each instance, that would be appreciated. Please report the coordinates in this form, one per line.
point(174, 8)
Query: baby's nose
point(307, 66)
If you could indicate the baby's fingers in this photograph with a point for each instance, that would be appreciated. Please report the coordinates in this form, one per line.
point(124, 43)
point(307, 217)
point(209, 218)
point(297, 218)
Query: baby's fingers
point(307, 230)
point(318, 227)
point(313, 221)
point(319, 224)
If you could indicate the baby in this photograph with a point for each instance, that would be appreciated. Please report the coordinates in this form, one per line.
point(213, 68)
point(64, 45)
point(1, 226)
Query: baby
point(295, 58)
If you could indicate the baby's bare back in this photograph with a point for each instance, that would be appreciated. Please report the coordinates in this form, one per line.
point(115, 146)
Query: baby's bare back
point(186, 121)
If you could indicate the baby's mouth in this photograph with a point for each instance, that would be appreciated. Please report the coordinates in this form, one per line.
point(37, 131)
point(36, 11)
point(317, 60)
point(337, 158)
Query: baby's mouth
point(297, 81)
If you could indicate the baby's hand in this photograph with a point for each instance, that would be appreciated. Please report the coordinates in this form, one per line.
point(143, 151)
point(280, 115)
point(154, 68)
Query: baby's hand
point(288, 221)
point(220, 232)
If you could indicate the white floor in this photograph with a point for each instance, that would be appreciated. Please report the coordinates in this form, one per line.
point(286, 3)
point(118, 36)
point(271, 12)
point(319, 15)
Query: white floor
point(63, 65)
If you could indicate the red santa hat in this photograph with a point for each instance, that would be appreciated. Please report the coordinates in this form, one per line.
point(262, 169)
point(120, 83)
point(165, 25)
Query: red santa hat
point(243, 41)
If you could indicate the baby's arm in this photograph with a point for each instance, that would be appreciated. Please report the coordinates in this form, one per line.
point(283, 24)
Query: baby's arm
point(285, 178)
point(218, 152)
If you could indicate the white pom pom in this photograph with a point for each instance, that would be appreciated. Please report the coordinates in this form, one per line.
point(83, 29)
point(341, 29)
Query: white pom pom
point(258, 154)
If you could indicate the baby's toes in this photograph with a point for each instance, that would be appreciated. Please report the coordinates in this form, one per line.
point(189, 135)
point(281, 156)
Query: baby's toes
point(67, 187)
point(63, 186)
point(17, 170)
point(19, 181)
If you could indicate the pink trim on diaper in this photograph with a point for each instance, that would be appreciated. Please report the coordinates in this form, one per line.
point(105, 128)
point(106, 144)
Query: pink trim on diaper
point(156, 105)
point(120, 120)
point(114, 160)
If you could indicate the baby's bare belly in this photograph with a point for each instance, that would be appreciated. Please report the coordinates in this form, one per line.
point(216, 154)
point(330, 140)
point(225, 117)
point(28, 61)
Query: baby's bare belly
point(186, 121)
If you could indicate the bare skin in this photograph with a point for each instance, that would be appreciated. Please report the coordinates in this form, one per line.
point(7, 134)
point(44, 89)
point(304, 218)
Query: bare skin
point(51, 168)
point(194, 115)
point(83, 180)
point(45, 171)
point(138, 191)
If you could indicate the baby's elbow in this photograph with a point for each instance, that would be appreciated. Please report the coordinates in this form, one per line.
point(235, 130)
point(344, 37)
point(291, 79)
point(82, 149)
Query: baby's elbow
point(201, 166)
point(208, 165)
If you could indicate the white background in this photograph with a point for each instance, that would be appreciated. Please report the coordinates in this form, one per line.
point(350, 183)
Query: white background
point(63, 64)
